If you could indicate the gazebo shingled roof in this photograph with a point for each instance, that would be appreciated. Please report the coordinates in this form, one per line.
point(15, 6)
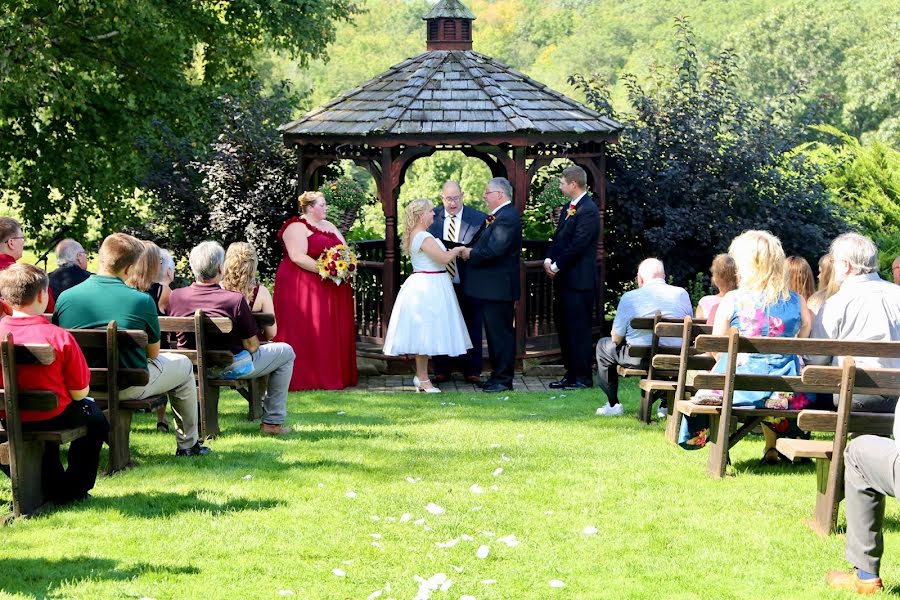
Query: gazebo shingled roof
point(451, 92)
point(453, 98)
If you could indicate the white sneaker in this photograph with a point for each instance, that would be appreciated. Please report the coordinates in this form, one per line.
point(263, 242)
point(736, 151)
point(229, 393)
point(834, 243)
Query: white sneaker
point(611, 411)
point(662, 412)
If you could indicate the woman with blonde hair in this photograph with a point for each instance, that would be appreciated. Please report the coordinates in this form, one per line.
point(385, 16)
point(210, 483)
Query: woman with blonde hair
point(426, 320)
point(762, 305)
point(239, 275)
point(724, 278)
point(314, 314)
point(827, 285)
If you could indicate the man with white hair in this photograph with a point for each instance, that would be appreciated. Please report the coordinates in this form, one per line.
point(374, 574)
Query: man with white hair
point(275, 359)
point(865, 308)
point(653, 294)
point(71, 267)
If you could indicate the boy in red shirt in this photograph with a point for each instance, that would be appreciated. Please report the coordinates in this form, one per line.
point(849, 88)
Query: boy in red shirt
point(24, 293)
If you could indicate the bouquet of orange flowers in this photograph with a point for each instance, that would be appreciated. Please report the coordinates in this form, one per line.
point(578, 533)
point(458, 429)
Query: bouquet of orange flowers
point(338, 264)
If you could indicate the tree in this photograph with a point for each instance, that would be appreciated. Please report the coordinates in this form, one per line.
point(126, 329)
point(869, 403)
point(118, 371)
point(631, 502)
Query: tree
point(698, 164)
point(82, 80)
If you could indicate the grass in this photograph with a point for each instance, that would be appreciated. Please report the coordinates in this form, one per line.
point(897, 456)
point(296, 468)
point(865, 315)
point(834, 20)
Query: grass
point(268, 518)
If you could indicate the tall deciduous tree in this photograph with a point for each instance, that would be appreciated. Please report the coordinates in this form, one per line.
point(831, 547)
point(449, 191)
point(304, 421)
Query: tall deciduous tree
point(698, 164)
point(83, 79)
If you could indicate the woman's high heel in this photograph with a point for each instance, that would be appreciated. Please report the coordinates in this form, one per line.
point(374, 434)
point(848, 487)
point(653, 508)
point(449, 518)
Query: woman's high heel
point(419, 386)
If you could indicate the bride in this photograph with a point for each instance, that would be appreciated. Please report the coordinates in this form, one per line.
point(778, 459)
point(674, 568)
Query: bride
point(426, 319)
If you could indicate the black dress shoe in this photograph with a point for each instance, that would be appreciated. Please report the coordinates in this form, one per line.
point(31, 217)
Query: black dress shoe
point(195, 450)
point(558, 385)
point(578, 385)
point(496, 387)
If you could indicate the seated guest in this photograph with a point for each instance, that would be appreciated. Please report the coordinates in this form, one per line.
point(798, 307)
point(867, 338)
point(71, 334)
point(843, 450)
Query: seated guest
point(104, 297)
point(724, 278)
point(12, 246)
point(799, 275)
point(762, 305)
point(653, 294)
point(826, 287)
point(24, 290)
point(240, 276)
point(865, 307)
point(870, 476)
point(162, 288)
point(275, 359)
point(71, 267)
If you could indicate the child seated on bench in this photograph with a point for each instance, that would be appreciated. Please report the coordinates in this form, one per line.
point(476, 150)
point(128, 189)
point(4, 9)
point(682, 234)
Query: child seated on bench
point(24, 293)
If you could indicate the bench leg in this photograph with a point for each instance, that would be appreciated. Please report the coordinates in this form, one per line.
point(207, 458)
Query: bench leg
point(28, 494)
point(673, 423)
point(209, 424)
point(646, 403)
point(119, 439)
point(829, 493)
point(253, 393)
point(717, 442)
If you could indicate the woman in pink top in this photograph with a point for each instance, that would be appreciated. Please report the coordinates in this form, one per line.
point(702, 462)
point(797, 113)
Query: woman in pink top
point(724, 278)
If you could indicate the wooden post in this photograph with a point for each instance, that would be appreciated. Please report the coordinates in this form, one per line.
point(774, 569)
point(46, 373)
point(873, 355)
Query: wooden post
point(520, 190)
point(119, 420)
point(387, 192)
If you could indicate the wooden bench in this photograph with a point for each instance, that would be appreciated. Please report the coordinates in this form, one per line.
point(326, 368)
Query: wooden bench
point(108, 379)
point(724, 432)
point(22, 450)
point(829, 455)
point(207, 360)
point(655, 381)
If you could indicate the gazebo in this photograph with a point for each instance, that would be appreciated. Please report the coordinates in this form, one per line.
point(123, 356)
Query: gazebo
point(453, 98)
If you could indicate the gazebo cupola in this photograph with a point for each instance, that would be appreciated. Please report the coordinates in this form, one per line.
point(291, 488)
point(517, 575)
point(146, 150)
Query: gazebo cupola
point(449, 26)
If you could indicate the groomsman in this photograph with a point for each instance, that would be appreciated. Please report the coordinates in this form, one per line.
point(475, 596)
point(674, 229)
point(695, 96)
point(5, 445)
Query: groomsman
point(572, 265)
point(456, 223)
point(493, 278)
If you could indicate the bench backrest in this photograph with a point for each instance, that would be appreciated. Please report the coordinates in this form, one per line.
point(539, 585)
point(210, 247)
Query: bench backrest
point(802, 346)
point(104, 346)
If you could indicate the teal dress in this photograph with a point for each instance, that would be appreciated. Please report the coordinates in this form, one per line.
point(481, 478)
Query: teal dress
point(753, 318)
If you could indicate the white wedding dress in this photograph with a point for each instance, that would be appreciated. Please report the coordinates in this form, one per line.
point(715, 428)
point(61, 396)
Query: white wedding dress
point(426, 318)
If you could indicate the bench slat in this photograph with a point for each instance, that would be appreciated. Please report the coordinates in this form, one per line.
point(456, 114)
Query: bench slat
point(794, 449)
point(644, 351)
point(668, 362)
point(647, 322)
point(807, 346)
point(34, 354)
point(714, 381)
point(675, 330)
point(186, 324)
point(859, 422)
point(887, 381)
point(63, 436)
point(34, 400)
point(96, 338)
point(126, 378)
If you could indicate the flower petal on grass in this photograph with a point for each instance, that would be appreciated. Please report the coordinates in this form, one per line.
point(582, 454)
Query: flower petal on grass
point(476, 489)
point(375, 518)
point(375, 594)
point(338, 573)
point(509, 540)
point(483, 551)
point(589, 530)
point(434, 509)
point(247, 477)
point(405, 517)
point(418, 522)
point(488, 581)
point(467, 597)
point(447, 544)
point(504, 458)
point(340, 412)
point(413, 479)
point(495, 445)
point(498, 471)
point(285, 592)
point(475, 508)
point(556, 583)
point(376, 536)
point(466, 538)
point(350, 494)
point(457, 569)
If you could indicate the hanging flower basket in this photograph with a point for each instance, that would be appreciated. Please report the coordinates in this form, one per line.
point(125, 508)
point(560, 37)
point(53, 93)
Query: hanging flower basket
point(345, 198)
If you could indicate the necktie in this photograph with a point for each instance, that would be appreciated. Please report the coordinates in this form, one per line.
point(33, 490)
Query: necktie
point(451, 235)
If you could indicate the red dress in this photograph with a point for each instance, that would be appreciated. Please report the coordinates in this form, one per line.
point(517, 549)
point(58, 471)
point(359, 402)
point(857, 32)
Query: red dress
point(315, 317)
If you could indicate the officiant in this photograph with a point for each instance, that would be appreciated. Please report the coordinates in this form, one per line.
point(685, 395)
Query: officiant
point(456, 224)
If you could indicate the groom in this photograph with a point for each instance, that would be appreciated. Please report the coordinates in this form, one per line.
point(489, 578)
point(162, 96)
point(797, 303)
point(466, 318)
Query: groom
point(458, 224)
point(493, 278)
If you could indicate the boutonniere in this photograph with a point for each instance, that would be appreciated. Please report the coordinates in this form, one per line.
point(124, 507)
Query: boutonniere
point(489, 220)
point(571, 211)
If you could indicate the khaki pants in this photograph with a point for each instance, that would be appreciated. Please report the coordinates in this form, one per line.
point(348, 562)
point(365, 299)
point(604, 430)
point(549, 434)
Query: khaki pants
point(172, 374)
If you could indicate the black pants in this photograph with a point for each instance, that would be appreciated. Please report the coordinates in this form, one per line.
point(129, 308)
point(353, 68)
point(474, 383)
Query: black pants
point(64, 485)
point(609, 357)
point(501, 338)
point(573, 324)
point(472, 362)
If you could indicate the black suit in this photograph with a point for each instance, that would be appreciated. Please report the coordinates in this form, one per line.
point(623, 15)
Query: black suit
point(66, 277)
point(574, 251)
point(493, 278)
point(472, 362)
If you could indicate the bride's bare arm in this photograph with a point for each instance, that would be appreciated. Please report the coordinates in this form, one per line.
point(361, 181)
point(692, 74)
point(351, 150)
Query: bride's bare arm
point(297, 245)
point(431, 248)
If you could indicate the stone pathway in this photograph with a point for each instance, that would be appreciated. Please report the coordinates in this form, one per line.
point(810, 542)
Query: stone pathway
point(403, 383)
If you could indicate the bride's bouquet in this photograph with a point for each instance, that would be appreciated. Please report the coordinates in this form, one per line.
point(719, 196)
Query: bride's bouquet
point(338, 264)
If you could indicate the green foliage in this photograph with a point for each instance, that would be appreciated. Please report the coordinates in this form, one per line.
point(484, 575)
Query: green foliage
point(83, 80)
point(345, 197)
point(698, 287)
point(698, 164)
point(865, 181)
point(545, 202)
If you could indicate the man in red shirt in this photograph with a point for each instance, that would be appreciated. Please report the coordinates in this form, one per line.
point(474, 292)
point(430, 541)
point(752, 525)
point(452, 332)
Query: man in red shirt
point(24, 289)
point(12, 246)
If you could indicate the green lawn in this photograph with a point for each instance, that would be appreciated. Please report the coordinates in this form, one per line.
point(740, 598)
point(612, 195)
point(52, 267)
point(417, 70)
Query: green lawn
point(269, 518)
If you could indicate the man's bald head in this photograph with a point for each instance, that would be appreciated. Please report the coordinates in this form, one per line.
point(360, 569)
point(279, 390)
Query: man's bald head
point(650, 268)
point(452, 197)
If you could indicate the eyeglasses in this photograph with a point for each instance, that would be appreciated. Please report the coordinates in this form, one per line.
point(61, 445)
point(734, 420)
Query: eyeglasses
point(18, 237)
point(453, 198)
point(493, 192)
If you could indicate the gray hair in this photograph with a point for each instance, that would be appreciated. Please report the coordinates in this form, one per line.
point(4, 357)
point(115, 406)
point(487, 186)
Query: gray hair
point(206, 260)
point(167, 263)
point(651, 268)
point(858, 250)
point(501, 184)
point(67, 252)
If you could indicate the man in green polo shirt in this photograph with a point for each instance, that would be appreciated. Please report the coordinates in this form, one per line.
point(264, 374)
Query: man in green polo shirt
point(104, 297)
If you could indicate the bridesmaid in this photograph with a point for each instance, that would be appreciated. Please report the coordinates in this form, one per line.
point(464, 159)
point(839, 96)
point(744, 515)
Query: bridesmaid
point(314, 315)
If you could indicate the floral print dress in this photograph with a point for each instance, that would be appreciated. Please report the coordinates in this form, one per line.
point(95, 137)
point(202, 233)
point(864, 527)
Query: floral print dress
point(753, 318)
